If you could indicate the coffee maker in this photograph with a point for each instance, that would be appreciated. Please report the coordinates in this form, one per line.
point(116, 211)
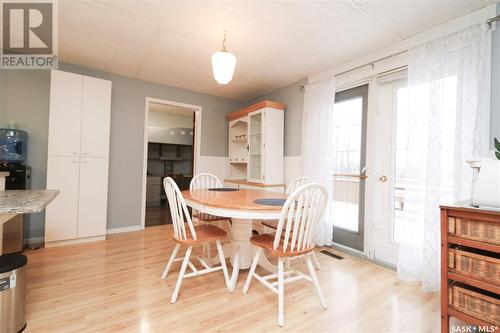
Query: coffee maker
point(13, 144)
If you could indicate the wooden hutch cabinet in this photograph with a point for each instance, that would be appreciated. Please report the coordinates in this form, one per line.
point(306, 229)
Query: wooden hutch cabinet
point(256, 139)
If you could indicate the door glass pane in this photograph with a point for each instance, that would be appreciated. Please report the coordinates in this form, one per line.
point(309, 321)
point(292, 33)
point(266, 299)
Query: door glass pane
point(348, 117)
point(400, 157)
point(411, 148)
point(255, 146)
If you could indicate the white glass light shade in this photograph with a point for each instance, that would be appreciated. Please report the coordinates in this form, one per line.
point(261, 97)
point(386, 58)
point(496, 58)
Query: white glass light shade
point(223, 64)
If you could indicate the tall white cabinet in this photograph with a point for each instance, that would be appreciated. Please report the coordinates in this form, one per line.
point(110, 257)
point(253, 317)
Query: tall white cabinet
point(79, 126)
point(256, 136)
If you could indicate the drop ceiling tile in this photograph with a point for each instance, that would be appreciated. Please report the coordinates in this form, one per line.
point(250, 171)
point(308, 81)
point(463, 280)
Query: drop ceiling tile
point(408, 18)
point(78, 48)
point(349, 39)
point(240, 90)
point(360, 3)
point(270, 77)
point(105, 23)
point(333, 44)
point(177, 73)
point(278, 26)
point(188, 50)
point(196, 19)
point(297, 19)
point(304, 60)
point(152, 12)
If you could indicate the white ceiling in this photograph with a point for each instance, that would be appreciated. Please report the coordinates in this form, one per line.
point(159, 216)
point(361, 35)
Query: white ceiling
point(275, 42)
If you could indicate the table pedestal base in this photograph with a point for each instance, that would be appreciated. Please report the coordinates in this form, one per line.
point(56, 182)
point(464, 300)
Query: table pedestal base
point(241, 231)
point(241, 251)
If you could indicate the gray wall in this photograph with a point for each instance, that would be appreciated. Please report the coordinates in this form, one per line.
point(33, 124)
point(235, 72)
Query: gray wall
point(293, 97)
point(25, 99)
point(495, 83)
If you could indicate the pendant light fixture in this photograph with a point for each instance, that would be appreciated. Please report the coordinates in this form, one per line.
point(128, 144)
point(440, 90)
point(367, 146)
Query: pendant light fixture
point(223, 64)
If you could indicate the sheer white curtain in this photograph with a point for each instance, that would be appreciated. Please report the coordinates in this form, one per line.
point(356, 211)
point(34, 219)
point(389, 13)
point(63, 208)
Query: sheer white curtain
point(446, 79)
point(317, 152)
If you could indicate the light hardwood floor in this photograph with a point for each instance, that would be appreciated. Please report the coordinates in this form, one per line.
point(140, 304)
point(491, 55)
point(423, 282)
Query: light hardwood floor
point(115, 286)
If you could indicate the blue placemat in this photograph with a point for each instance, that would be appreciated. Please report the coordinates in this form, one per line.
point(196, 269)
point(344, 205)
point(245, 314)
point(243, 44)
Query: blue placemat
point(223, 189)
point(270, 202)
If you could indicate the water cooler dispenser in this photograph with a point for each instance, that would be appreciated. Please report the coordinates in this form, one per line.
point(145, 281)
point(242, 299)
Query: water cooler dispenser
point(13, 145)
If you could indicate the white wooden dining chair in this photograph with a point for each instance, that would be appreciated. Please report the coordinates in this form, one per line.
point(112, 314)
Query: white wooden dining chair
point(206, 181)
point(294, 237)
point(295, 184)
point(187, 234)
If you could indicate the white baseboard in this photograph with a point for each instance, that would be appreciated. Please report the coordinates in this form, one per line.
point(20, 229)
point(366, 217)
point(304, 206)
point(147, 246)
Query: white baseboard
point(41, 240)
point(75, 241)
point(122, 230)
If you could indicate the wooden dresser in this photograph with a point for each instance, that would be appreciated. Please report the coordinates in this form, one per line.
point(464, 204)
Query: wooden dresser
point(470, 266)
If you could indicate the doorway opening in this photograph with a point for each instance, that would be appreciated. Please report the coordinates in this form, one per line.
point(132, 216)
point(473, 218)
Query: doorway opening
point(170, 150)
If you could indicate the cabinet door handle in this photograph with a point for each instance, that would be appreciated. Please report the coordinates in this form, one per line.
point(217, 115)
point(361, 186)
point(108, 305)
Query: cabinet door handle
point(74, 153)
point(85, 154)
point(84, 162)
point(75, 161)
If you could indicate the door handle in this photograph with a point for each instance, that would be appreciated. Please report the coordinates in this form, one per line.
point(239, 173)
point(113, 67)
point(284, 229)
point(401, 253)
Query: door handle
point(382, 179)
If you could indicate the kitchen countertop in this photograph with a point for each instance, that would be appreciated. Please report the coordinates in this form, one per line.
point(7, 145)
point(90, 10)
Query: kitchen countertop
point(25, 201)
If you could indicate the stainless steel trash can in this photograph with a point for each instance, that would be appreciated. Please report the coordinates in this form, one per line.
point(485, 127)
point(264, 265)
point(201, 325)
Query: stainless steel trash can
point(12, 292)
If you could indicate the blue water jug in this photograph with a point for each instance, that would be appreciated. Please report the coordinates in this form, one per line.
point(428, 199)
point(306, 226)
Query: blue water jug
point(13, 145)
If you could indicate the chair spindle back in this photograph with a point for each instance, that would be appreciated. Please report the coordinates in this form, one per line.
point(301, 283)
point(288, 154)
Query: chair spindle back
point(203, 181)
point(178, 210)
point(299, 216)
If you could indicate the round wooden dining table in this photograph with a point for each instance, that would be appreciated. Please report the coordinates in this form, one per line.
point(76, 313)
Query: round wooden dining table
point(239, 205)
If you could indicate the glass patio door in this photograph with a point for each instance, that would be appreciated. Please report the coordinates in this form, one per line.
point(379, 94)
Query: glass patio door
point(350, 118)
point(389, 181)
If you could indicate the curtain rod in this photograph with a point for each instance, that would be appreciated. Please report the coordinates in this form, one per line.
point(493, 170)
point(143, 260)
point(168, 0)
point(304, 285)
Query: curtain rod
point(371, 63)
point(493, 19)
